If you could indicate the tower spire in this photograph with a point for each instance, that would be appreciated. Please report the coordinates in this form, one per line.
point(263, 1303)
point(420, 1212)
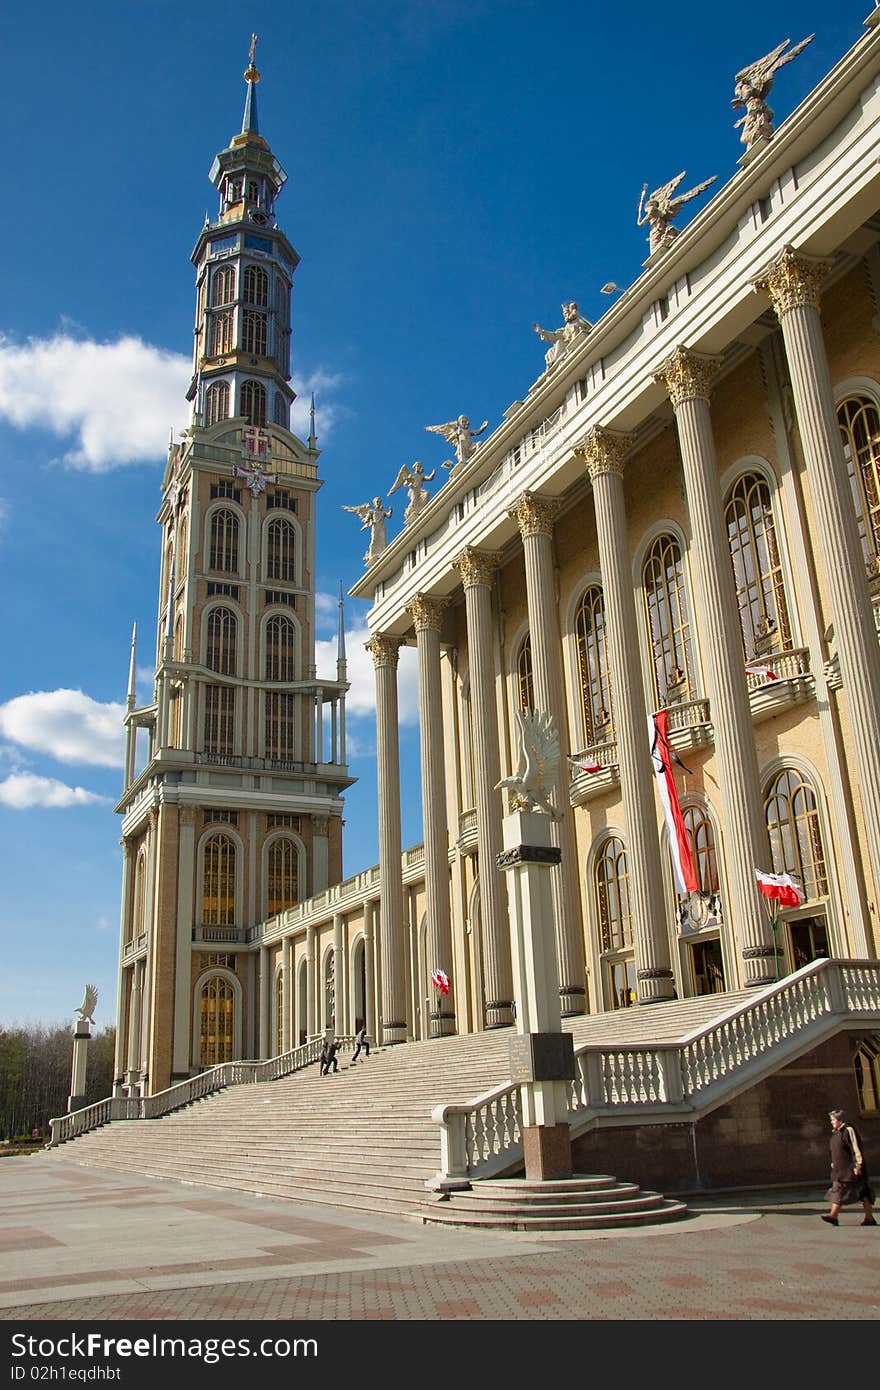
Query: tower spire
point(250, 124)
point(313, 438)
point(132, 667)
point(340, 646)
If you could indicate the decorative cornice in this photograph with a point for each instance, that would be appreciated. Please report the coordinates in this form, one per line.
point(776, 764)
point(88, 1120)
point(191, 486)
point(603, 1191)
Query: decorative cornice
point(687, 376)
point(383, 649)
point(793, 281)
point(604, 451)
point(476, 567)
point(427, 612)
point(534, 515)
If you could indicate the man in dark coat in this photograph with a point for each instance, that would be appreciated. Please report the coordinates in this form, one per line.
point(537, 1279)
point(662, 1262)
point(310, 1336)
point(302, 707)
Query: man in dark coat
point(849, 1171)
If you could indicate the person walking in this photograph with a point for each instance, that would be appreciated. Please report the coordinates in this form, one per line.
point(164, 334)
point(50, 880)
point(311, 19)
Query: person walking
point(328, 1056)
point(362, 1041)
point(849, 1172)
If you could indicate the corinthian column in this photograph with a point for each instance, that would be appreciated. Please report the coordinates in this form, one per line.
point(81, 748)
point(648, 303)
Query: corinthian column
point(535, 520)
point(427, 615)
point(384, 651)
point(793, 284)
point(687, 379)
point(476, 569)
point(604, 454)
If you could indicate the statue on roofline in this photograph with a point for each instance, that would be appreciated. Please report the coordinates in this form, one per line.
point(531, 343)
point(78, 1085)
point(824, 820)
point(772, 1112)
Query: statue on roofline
point(459, 434)
point(753, 85)
point(658, 210)
point(373, 515)
point(413, 479)
point(574, 326)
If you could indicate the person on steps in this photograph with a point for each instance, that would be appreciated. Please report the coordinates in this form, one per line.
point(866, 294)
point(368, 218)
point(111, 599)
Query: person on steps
point(362, 1041)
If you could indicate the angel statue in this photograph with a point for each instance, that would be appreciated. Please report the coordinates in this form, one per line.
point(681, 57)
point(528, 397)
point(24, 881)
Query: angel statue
point(660, 208)
point(373, 514)
point(459, 434)
point(87, 1007)
point(753, 84)
point(535, 776)
point(561, 339)
point(413, 479)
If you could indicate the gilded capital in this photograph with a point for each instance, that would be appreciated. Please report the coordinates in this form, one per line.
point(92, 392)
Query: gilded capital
point(534, 515)
point(427, 612)
point(687, 376)
point(475, 567)
point(604, 451)
point(793, 281)
point(383, 649)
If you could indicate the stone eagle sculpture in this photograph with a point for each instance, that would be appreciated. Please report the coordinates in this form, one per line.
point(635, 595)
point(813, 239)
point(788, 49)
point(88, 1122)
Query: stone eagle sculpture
point(538, 765)
point(87, 1007)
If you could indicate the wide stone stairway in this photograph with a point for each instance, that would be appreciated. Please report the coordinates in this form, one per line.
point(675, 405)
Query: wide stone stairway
point(364, 1137)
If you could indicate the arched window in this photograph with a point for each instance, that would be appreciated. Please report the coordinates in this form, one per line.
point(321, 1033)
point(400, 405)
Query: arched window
point(222, 333)
point(219, 720)
point(595, 677)
point(220, 652)
point(216, 1021)
point(218, 890)
point(279, 1014)
point(223, 285)
point(280, 648)
point(217, 402)
point(281, 550)
point(795, 836)
point(253, 403)
point(178, 638)
point(281, 413)
point(282, 882)
point(859, 421)
point(136, 922)
point(255, 329)
point(757, 569)
point(666, 608)
point(701, 836)
point(525, 683)
point(256, 285)
point(224, 541)
point(280, 725)
point(612, 896)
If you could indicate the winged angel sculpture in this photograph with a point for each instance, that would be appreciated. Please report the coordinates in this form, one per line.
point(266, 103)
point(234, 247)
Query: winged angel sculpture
point(661, 207)
point(538, 765)
point(753, 85)
point(87, 1007)
point(413, 479)
point(372, 514)
point(459, 434)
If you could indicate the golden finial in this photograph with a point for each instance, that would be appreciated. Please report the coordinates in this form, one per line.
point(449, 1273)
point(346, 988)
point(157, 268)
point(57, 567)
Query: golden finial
point(252, 75)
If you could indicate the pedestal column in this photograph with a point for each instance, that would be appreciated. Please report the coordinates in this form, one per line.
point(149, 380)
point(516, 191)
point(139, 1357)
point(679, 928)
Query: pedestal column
point(311, 984)
point(476, 569)
point(385, 651)
point(604, 454)
point(534, 516)
point(427, 615)
point(81, 1038)
point(793, 284)
point(687, 378)
point(126, 935)
point(369, 972)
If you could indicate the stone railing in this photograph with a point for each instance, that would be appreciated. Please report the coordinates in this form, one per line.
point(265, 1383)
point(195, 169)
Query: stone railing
point(206, 1083)
point(672, 1080)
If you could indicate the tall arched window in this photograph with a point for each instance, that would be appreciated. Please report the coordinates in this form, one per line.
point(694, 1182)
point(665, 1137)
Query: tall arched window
point(136, 922)
point(217, 402)
point(701, 836)
point(281, 412)
point(218, 890)
point(222, 333)
point(757, 568)
point(859, 421)
point(178, 638)
point(223, 285)
point(216, 1021)
point(666, 608)
point(280, 725)
point(612, 896)
point(281, 550)
point(282, 880)
point(280, 648)
point(219, 720)
point(256, 285)
point(595, 677)
point(330, 990)
point(525, 683)
point(220, 646)
point(224, 541)
point(253, 402)
point(792, 817)
point(255, 331)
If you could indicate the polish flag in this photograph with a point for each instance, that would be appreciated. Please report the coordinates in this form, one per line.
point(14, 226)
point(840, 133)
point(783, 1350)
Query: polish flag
point(758, 668)
point(662, 756)
point(780, 887)
point(440, 980)
point(584, 765)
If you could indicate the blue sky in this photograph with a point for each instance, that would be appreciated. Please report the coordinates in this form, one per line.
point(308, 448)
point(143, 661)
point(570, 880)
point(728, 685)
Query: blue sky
point(457, 169)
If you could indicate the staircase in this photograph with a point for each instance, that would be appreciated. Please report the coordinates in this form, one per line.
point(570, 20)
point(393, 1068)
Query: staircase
point(571, 1204)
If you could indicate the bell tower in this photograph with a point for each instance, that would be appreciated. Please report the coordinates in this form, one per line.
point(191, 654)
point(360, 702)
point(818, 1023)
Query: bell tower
point(236, 811)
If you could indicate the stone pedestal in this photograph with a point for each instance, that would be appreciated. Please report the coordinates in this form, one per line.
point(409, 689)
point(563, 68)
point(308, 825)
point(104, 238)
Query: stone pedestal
point(77, 1098)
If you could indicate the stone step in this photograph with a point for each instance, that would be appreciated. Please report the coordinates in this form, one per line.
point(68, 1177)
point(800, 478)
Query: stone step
point(583, 1221)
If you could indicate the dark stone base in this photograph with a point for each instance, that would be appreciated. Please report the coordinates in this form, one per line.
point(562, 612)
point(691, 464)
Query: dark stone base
point(547, 1152)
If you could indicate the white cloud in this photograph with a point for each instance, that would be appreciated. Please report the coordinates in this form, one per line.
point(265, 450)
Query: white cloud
point(327, 410)
point(22, 790)
point(67, 725)
point(361, 698)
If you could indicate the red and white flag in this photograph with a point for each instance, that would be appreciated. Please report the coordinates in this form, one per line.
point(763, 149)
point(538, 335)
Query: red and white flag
point(781, 888)
point(440, 980)
point(760, 668)
point(584, 764)
point(662, 756)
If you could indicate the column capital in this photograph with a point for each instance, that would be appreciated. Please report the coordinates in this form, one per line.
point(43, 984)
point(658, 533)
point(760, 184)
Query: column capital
point(687, 376)
point(476, 567)
point(383, 649)
point(426, 611)
point(534, 515)
point(604, 451)
point(320, 825)
point(793, 281)
point(187, 815)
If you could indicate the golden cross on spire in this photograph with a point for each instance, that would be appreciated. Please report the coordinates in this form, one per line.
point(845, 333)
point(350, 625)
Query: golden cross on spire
point(252, 75)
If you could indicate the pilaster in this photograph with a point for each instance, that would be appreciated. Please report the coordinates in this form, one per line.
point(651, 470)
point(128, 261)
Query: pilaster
point(384, 651)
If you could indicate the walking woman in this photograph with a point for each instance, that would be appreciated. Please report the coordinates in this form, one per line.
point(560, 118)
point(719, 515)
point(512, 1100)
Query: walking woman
point(849, 1172)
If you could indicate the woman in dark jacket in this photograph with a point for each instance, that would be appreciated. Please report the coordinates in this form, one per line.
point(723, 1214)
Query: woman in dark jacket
point(849, 1171)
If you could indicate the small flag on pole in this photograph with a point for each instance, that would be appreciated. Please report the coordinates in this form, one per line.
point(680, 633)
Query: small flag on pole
point(760, 668)
point(780, 888)
point(584, 764)
point(440, 980)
